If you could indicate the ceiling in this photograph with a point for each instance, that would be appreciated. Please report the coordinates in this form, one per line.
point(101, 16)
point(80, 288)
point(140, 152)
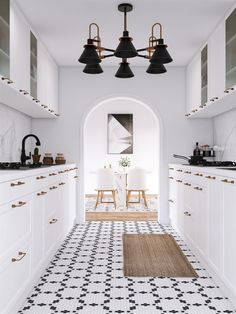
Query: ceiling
point(63, 25)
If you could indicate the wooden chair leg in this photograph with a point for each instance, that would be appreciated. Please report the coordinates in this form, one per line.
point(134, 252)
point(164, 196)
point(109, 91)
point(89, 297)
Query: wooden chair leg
point(139, 196)
point(102, 194)
point(114, 198)
point(97, 200)
point(144, 199)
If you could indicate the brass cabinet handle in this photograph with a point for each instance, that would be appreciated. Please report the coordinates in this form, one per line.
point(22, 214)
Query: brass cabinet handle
point(187, 184)
point(41, 177)
point(57, 115)
point(62, 183)
point(20, 204)
point(53, 188)
point(188, 172)
point(44, 106)
point(187, 114)
point(15, 259)
point(210, 177)
point(36, 100)
point(197, 188)
point(75, 177)
point(171, 178)
point(7, 79)
point(23, 91)
point(17, 183)
point(195, 110)
point(187, 214)
point(53, 221)
point(171, 201)
point(227, 90)
point(228, 181)
point(179, 181)
point(41, 193)
point(171, 169)
point(52, 174)
point(214, 98)
point(59, 172)
point(179, 170)
point(198, 174)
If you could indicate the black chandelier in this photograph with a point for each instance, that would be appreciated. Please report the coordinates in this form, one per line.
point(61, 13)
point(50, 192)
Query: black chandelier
point(157, 53)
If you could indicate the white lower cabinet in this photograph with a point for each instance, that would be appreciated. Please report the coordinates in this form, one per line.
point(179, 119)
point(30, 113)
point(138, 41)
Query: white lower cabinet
point(202, 208)
point(32, 227)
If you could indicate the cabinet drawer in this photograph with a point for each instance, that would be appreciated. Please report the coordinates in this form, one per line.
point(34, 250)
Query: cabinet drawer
point(14, 272)
point(14, 222)
point(12, 190)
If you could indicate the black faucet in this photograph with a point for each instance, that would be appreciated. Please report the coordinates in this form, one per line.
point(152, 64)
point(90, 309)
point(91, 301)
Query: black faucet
point(23, 157)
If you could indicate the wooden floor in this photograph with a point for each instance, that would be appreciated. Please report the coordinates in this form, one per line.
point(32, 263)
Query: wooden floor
point(121, 216)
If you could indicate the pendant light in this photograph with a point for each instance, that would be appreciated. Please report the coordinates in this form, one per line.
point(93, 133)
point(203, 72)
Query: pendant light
point(157, 53)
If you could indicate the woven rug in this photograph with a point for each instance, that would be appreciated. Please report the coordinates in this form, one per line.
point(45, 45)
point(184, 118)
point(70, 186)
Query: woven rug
point(154, 255)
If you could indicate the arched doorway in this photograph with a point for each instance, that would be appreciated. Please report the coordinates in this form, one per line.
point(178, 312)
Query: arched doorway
point(147, 143)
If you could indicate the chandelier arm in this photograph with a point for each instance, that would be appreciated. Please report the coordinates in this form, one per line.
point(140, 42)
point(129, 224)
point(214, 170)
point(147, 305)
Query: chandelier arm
point(90, 30)
point(107, 49)
point(142, 49)
point(143, 56)
point(107, 56)
point(153, 26)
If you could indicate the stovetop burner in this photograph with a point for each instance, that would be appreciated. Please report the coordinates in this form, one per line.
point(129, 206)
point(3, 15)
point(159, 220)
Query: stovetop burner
point(206, 163)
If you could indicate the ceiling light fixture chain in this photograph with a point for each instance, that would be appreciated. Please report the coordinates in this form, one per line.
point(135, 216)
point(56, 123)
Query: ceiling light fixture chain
point(156, 50)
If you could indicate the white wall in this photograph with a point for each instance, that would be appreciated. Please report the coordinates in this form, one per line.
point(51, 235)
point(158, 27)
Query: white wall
point(145, 142)
point(165, 94)
point(225, 135)
point(13, 127)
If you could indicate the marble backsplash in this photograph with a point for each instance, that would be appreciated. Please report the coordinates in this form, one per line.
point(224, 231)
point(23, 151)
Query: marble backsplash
point(225, 135)
point(13, 127)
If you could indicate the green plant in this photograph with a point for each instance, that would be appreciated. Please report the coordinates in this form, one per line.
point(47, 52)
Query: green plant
point(36, 151)
point(124, 162)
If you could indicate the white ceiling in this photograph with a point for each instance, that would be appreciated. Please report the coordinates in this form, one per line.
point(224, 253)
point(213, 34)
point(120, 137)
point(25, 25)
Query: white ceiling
point(63, 25)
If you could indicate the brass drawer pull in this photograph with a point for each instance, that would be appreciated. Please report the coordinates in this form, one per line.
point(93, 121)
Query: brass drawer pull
point(44, 106)
point(59, 172)
point(62, 183)
point(52, 174)
point(17, 183)
point(21, 254)
point(50, 110)
point(20, 204)
point(187, 184)
point(24, 92)
point(36, 100)
point(179, 170)
point(76, 177)
point(57, 115)
point(198, 174)
point(41, 177)
point(214, 98)
point(41, 193)
point(171, 201)
point(187, 214)
point(171, 178)
point(179, 181)
point(210, 177)
point(228, 181)
point(53, 188)
point(53, 221)
point(188, 172)
point(197, 188)
point(171, 169)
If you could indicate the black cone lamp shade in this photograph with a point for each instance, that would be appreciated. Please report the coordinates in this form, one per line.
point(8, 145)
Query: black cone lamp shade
point(89, 55)
point(124, 70)
point(156, 69)
point(161, 55)
point(125, 48)
point(93, 69)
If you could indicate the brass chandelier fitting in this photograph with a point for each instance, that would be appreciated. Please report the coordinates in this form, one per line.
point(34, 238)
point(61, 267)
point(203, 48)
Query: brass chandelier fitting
point(157, 53)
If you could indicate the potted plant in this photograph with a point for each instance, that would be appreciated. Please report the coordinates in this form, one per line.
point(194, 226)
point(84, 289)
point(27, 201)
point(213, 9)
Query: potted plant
point(36, 156)
point(124, 162)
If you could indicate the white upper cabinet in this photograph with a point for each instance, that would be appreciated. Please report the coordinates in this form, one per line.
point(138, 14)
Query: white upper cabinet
point(19, 50)
point(5, 38)
point(47, 79)
point(216, 60)
point(194, 83)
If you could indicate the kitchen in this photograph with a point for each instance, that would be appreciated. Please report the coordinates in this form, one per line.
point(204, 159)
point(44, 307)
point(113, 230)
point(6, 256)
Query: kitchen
point(56, 112)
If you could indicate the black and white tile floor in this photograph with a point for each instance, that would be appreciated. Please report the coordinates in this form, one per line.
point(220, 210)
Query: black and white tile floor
point(86, 277)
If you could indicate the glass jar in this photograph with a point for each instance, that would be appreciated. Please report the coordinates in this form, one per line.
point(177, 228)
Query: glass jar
point(48, 159)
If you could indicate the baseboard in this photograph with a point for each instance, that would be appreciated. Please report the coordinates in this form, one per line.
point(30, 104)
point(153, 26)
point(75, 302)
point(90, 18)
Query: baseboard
point(216, 277)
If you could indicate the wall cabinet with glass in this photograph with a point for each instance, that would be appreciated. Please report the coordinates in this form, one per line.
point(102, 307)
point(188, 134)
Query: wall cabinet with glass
point(230, 50)
point(5, 38)
point(204, 75)
point(33, 65)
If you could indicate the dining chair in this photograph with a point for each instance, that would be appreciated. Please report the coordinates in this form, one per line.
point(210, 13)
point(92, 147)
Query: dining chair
point(136, 182)
point(105, 183)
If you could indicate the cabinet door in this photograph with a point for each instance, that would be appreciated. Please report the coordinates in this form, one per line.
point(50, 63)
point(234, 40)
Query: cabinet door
point(216, 60)
point(188, 212)
point(230, 50)
point(215, 226)
point(19, 50)
point(229, 218)
point(5, 38)
point(194, 84)
point(37, 216)
point(173, 201)
point(42, 74)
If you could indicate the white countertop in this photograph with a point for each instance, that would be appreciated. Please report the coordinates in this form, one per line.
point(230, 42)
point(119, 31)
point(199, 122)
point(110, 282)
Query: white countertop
point(8, 175)
point(208, 170)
